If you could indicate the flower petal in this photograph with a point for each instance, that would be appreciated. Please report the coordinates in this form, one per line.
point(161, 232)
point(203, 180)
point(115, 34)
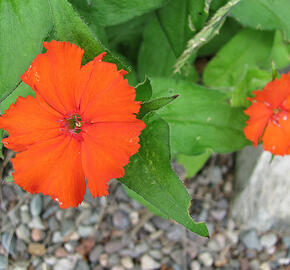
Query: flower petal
point(275, 92)
point(56, 170)
point(107, 96)
point(29, 121)
point(276, 138)
point(259, 116)
point(55, 74)
point(106, 149)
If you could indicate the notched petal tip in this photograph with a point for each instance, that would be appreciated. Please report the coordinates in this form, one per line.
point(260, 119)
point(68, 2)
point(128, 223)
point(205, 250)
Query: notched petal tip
point(100, 56)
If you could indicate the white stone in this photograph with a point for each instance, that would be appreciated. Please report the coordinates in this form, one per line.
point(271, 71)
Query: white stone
point(262, 197)
point(147, 263)
point(269, 240)
point(206, 259)
point(127, 262)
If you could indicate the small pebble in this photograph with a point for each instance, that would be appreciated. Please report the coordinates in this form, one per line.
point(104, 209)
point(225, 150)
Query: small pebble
point(3, 262)
point(36, 205)
point(206, 259)
point(36, 249)
point(127, 262)
point(23, 233)
point(269, 240)
point(194, 265)
point(250, 239)
point(95, 254)
point(121, 220)
point(37, 235)
point(148, 263)
point(104, 260)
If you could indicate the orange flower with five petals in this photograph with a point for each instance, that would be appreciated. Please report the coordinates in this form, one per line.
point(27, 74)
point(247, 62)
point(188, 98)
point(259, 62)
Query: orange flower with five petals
point(81, 123)
point(269, 114)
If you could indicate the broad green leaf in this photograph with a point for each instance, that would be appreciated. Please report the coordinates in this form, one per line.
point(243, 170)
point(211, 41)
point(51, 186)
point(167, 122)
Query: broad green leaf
point(200, 118)
point(22, 90)
point(23, 27)
point(149, 174)
point(264, 14)
point(193, 164)
point(166, 35)
point(126, 38)
point(253, 79)
point(154, 105)
point(69, 27)
point(112, 12)
point(248, 49)
point(144, 90)
point(280, 53)
point(142, 201)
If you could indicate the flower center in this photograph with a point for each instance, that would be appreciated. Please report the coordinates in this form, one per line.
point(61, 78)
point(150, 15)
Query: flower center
point(74, 123)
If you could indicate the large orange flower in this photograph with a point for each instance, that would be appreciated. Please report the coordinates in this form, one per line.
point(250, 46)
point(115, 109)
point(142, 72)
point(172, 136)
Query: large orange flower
point(269, 120)
point(82, 123)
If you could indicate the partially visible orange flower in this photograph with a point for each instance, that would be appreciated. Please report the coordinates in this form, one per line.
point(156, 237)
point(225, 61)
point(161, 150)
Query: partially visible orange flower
point(269, 120)
point(82, 123)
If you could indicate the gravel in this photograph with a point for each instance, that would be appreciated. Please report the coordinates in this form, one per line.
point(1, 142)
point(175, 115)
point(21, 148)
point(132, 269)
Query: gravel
point(118, 233)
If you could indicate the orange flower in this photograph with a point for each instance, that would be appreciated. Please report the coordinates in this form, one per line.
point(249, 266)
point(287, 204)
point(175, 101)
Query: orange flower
point(82, 123)
point(269, 120)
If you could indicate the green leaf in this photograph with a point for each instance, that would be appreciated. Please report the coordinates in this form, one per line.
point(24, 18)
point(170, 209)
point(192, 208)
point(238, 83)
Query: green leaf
point(154, 105)
point(22, 90)
point(166, 35)
point(193, 164)
point(70, 27)
point(144, 90)
point(200, 118)
point(142, 201)
point(157, 183)
point(246, 50)
point(112, 12)
point(253, 79)
point(23, 27)
point(264, 14)
point(280, 53)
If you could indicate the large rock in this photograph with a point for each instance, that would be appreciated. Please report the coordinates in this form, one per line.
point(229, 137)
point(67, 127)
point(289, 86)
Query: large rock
point(261, 190)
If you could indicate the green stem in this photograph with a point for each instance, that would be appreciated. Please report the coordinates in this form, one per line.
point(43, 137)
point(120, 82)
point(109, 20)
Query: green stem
point(205, 35)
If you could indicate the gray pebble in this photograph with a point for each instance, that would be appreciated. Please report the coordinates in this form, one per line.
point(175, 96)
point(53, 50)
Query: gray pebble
point(286, 241)
point(64, 264)
point(121, 220)
point(250, 239)
point(113, 260)
point(9, 243)
point(53, 224)
point(141, 248)
point(82, 265)
point(95, 254)
point(161, 223)
point(36, 205)
point(70, 246)
point(57, 237)
point(21, 247)
point(23, 233)
point(85, 231)
point(156, 254)
point(177, 256)
point(14, 216)
point(50, 211)
point(3, 262)
point(36, 223)
point(113, 246)
point(206, 259)
point(269, 240)
point(67, 227)
point(175, 233)
point(51, 260)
